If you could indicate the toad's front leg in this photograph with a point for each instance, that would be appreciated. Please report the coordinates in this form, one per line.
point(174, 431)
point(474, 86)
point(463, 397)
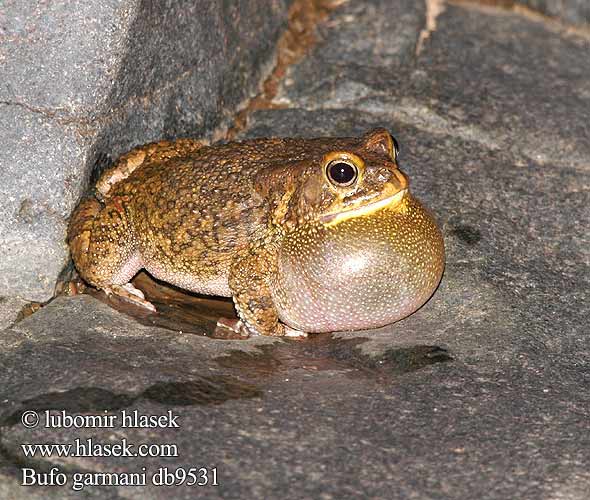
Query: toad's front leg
point(249, 280)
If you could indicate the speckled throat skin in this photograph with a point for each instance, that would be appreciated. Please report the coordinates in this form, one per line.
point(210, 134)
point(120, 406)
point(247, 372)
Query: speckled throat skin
point(274, 223)
point(364, 273)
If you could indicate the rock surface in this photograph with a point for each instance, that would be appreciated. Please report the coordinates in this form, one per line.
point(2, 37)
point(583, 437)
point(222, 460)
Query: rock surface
point(85, 81)
point(481, 393)
point(10, 307)
point(571, 11)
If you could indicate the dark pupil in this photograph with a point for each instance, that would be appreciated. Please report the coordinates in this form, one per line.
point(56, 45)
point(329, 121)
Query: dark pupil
point(342, 173)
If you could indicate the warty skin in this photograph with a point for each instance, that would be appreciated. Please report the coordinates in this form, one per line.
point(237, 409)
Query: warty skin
point(306, 235)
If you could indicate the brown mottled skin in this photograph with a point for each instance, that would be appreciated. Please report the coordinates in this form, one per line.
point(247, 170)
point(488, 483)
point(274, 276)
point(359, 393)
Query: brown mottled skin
point(266, 222)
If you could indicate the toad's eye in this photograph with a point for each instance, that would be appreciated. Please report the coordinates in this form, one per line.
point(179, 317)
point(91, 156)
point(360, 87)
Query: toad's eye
point(395, 147)
point(341, 173)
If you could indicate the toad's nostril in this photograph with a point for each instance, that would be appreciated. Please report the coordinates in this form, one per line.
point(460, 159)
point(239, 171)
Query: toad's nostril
point(383, 175)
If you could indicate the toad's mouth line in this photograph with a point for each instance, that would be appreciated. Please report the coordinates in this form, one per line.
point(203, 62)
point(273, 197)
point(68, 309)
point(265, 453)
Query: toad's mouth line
point(369, 208)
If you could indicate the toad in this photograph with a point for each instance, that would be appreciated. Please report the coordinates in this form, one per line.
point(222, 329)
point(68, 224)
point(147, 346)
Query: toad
point(306, 235)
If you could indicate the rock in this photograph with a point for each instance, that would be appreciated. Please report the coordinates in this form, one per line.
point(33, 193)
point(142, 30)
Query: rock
point(9, 310)
point(550, 126)
point(234, 399)
point(83, 83)
point(571, 11)
point(361, 47)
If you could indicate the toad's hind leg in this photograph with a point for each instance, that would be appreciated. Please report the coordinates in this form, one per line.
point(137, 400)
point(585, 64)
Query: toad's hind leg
point(104, 249)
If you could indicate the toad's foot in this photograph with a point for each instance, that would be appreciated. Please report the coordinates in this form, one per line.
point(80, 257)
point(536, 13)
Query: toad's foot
point(239, 327)
point(295, 334)
point(233, 325)
point(130, 294)
point(70, 288)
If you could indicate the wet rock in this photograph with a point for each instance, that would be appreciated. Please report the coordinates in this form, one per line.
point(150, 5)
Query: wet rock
point(383, 404)
point(233, 399)
point(83, 83)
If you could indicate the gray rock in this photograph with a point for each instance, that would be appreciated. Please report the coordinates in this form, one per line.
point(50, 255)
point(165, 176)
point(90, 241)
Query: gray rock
point(363, 46)
point(571, 11)
point(507, 82)
point(529, 94)
point(82, 83)
point(43, 168)
point(9, 309)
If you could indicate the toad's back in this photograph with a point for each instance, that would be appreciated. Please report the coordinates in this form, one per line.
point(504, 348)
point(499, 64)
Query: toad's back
point(190, 212)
